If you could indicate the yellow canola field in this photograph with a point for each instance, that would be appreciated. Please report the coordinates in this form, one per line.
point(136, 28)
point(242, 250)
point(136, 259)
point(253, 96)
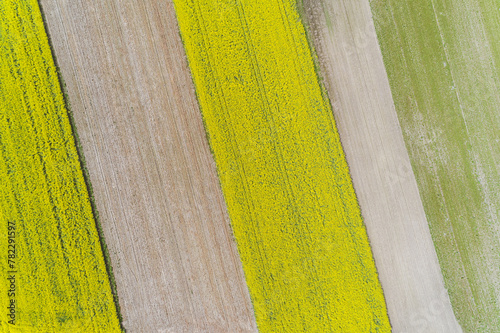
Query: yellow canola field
point(53, 273)
point(295, 216)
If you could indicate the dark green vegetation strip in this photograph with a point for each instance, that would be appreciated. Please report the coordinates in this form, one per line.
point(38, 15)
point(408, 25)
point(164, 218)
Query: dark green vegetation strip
point(442, 58)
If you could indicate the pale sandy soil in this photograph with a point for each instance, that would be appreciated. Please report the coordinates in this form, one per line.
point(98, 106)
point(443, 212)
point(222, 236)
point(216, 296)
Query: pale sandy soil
point(155, 184)
point(354, 74)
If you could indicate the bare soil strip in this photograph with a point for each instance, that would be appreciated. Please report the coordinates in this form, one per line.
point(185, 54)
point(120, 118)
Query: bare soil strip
point(155, 184)
point(354, 74)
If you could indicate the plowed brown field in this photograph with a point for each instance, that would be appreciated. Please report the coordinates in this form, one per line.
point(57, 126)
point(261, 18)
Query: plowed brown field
point(155, 184)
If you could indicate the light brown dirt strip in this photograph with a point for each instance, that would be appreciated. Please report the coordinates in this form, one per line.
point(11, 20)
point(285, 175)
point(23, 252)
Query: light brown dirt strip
point(353, 69)
point(155, 184)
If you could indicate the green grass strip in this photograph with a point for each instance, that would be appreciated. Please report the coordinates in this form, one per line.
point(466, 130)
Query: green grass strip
point(442, 59)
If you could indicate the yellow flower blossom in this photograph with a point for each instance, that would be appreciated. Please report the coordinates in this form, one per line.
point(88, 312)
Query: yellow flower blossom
point(53, 273)
point(294, 213)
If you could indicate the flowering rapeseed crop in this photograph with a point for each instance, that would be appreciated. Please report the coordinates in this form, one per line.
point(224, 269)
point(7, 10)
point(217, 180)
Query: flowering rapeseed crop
point(53, 275)
point(294, 213)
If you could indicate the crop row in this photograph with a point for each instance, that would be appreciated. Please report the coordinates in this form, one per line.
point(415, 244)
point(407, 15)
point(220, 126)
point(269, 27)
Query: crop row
point(295, 216)
point(49, 246)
